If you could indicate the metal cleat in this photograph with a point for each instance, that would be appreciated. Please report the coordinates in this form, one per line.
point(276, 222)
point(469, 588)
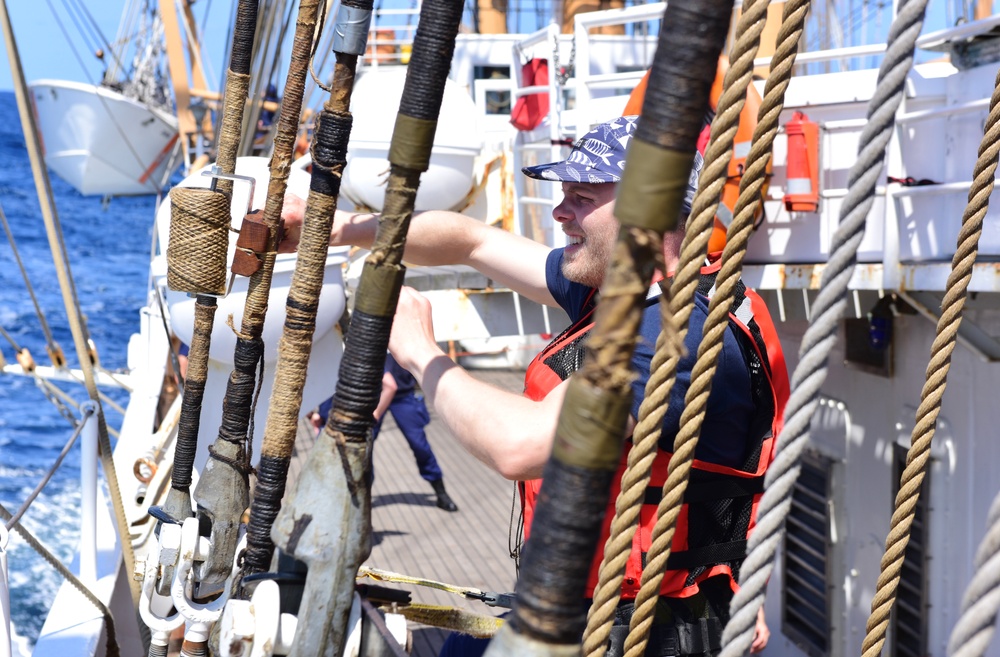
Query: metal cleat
point(257, 628)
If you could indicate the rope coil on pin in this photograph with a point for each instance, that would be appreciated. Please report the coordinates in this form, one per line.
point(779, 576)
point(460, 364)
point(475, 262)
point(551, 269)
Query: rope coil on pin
point(199, 240)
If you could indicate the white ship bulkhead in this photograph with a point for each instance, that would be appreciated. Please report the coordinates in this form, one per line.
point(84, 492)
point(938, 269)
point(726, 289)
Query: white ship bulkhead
point(864, 423)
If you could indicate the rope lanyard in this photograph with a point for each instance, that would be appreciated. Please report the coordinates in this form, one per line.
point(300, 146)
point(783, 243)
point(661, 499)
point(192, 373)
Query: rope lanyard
point(820, 337)
point(334, 489)
point(592, 424)
point(74, 317)
point(664, 367)
point(55, 562)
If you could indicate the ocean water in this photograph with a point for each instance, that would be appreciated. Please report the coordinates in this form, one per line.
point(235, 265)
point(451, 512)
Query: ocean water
point(108, 246)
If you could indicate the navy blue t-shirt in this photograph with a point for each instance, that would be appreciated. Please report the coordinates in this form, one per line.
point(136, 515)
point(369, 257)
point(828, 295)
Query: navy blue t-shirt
point(725, 434)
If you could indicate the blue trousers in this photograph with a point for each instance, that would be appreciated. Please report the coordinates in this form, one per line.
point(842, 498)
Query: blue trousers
point(411, 416)
point(463, 645)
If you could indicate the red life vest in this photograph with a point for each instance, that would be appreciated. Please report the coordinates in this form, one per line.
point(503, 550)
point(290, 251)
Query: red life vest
point(720, 505)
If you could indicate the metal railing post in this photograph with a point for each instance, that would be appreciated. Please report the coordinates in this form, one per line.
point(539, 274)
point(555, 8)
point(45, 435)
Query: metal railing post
point(88, 503)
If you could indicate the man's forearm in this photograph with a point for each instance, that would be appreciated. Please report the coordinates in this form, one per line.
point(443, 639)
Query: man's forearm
point(508, 432)
point(434, 238)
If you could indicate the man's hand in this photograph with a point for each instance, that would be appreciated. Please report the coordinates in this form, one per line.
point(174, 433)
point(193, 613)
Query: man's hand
point(761, 634)
point(412, 339)
point(292, 212)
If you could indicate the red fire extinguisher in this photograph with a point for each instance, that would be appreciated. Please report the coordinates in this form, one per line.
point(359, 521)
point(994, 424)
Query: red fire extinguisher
point(802, 190)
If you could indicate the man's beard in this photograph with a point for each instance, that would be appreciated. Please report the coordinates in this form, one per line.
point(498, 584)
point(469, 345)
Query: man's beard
point(589, 264)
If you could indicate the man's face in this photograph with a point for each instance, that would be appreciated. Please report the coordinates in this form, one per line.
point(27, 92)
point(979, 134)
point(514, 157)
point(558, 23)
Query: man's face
point(591, 230)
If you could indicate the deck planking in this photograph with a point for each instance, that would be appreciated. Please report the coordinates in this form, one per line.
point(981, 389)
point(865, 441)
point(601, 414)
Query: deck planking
point(411, 536)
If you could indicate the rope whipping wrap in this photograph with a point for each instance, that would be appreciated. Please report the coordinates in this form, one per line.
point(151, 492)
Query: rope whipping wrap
point(977, 622)
point(238, 409)
point(67, 287)
point(328, 523)
point(592, 424)
point(53, 560)
point(329, 155)
point(936, 378)
point(818, 341)
point(360, 381)
point(237, 84)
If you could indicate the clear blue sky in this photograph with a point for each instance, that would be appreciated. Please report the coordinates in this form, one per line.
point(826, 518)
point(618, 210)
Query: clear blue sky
point(45, 52)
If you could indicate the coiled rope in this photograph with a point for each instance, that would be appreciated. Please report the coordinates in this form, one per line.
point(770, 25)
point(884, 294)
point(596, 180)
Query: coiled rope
point(818, 341)
point(663, 371)
point(977, 622)
point(936, 379)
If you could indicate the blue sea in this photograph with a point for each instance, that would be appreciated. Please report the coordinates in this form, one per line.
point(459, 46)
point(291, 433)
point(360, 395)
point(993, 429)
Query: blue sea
point(108, 246)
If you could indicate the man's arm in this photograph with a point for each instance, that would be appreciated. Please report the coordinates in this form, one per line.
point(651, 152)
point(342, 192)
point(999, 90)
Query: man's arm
point(442, 238)
point(508, 432)
point(389, 388)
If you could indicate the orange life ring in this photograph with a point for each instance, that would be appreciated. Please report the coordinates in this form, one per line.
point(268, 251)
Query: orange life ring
point(741, 148)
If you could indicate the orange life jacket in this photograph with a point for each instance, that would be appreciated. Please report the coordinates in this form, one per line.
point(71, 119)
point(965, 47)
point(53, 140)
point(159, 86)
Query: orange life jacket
point(741, 148)
point(720, 505)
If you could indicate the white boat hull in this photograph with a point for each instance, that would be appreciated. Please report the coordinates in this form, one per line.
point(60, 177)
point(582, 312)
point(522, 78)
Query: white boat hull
point(101, 142)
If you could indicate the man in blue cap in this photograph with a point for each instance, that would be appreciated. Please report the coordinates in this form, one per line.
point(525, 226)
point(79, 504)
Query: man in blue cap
point(513, 434)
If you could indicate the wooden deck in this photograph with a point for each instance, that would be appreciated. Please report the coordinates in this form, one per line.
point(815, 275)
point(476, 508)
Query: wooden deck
point(413, 537)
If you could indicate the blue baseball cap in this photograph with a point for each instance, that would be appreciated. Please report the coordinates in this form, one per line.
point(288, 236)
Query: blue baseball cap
point(599, 157)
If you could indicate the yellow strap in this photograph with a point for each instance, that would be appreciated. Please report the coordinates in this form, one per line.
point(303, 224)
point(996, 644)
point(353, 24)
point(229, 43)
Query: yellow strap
point(451, 618)
point(380, 575)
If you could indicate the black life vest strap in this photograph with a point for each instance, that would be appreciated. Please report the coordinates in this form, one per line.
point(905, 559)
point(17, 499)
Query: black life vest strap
point(718, 488)
point(707, 555)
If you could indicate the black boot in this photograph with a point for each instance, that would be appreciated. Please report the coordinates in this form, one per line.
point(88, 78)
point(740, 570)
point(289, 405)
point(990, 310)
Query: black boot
point(444, 501)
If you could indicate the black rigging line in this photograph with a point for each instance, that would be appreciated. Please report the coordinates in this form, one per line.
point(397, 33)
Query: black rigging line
point(69, 41)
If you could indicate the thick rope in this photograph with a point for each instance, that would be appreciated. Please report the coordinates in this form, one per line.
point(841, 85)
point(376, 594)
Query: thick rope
point(977, 622)
point(936, 379)
point(53, 560)
point(821, 335)
point(682, 293)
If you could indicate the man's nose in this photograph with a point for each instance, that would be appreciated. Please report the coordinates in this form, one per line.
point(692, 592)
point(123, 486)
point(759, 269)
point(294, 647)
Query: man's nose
point(561, 212)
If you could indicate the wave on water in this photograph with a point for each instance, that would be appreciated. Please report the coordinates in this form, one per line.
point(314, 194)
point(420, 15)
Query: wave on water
point(108, 246)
